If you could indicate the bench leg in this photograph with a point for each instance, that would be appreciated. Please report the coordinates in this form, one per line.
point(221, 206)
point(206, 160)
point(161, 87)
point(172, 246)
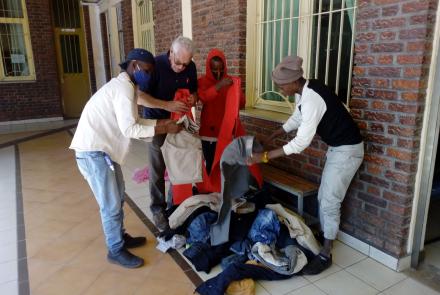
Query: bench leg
point(300, 205)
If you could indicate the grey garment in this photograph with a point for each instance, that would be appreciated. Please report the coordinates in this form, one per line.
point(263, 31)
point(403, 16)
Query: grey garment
point(188, 124)
point(182, 154)
point(340, 166)
point(156, 167)
point(235, 180)
point(286, 261)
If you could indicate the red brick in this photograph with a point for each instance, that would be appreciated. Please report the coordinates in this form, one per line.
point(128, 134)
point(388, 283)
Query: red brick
point(366, 37)
point(363, 59)
point(396, 198)
point(415, 6)
point(398, 176)
point(358, 103)
point(374, 200)
point(401, 131)
point(382, 94)
point(420, 33)
point(374, 169)
point(380, 139)
point(418, 46)
point(379, 116)
point(388, 23)
point(385, 59)
point(406, 167)
point(403, 108)
point(410, 96)
point(380, 161)
point(378, 105)
point(408, 143)
point(384, 71)
point(409, 59)
point(399, 210)
point(387, 47)
point(390, 10)
point(399, 154)
point(406, 84)
point(412, 72)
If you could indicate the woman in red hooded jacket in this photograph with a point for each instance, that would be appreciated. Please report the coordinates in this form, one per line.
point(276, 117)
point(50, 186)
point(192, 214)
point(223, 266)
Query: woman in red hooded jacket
point(213, 90)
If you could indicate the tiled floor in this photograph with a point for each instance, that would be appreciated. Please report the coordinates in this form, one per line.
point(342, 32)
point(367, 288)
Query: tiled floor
point(65, 251)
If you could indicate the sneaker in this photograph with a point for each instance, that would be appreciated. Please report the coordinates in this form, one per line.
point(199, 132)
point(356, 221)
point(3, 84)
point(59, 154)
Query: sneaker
point(125, 259)
point(318, 264)
point(133, 242)
point(161, 222)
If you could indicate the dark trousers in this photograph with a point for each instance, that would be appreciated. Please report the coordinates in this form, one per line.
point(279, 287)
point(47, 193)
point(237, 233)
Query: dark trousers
point(208, 148)
point(156, 167)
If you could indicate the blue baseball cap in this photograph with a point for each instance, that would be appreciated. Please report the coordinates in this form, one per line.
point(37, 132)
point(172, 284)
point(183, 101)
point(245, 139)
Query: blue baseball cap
point(139, 54)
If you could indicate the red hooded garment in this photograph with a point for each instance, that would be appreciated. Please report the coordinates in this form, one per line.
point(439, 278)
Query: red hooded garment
point(220, 118)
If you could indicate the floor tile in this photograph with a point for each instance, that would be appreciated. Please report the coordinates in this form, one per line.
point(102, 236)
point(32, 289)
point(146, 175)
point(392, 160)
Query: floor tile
point(344, 255)
point(259, 290)
point(110, 282)
point(9, 288)
point(410, 287)
point(8, 271)
point(68, 280)
point(284, 286)
point(307, 290)
point(343, 283)
point(161, 286)
point(375, 274)
point(333, 269)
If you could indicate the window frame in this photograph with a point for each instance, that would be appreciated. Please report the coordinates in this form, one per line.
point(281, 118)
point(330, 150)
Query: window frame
point(24, 21)
point(255, 12)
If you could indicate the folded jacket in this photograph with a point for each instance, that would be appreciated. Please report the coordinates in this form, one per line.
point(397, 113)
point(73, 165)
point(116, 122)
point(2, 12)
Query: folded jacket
point(187, 207)
point(297, 228)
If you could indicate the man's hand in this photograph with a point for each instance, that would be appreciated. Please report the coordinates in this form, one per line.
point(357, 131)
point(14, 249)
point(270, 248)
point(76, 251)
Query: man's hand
point(172, 127)
point(192, 99)
point(176, 107)
point(255, 158)
point(268, 140)
point(224, 82)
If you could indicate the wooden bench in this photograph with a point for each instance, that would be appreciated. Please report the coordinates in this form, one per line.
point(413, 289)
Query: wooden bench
point(293, 184)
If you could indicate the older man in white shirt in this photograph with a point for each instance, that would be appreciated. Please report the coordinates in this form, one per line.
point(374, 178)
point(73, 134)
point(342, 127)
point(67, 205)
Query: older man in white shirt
point(101, 143)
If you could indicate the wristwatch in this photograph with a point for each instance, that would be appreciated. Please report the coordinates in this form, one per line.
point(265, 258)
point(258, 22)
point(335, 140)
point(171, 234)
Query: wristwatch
point(265, 157)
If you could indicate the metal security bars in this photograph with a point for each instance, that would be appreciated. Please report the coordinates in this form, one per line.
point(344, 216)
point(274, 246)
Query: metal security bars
point(320, 31)
point(66, 14)
point(71, 54)
point(16, 62)
point(144, 36)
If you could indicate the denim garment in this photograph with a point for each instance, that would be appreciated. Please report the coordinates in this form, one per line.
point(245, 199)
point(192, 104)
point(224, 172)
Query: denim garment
point(200, 227)
point(204, 257)
point(236, 272)
point(265, 228)
point(242, 247)
point(108, 188)
point(234, 258)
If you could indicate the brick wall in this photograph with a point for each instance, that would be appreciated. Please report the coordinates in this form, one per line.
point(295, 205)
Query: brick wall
point(88, 37)
point(127, 25)
point(40, 98)
point(167, 23)
point(393, 48)
point(392, 55)
point(220, 24)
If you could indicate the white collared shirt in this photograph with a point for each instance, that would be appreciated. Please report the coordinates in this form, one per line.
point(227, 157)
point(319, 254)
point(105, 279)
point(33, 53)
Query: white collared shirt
point(109, 119)
point(306, 120)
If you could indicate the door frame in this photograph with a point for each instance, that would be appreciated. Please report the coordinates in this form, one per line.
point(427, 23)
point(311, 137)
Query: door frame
point(428, 151)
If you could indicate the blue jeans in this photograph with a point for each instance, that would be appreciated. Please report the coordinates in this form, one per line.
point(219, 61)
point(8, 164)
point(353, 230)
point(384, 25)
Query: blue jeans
point(108, 188)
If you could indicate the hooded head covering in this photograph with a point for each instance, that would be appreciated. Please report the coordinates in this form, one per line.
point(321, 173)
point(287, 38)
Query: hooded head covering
point(211, 54)
point(140, 55)
point(288, 70)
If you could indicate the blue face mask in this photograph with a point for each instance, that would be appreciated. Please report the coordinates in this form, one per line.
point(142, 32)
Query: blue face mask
point(141, 77)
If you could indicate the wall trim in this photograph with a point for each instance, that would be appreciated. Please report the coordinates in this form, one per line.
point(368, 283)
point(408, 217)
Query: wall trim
point(42, 120)
point(396, 264)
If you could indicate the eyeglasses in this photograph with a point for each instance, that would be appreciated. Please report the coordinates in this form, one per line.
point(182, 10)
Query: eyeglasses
point(184, 65)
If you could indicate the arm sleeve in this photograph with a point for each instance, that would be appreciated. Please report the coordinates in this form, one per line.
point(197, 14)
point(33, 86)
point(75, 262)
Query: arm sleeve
point(294, 121)
point(312, 111)
point(127, 117)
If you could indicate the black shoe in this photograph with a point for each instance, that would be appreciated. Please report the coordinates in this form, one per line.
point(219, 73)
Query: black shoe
point(125, 259)
point(133, 242)
point(318, 264)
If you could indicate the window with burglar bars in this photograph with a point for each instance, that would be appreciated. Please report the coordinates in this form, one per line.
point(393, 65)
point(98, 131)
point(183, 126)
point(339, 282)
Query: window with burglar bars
point(319, 31)
point(16, 60)
point(143, 26)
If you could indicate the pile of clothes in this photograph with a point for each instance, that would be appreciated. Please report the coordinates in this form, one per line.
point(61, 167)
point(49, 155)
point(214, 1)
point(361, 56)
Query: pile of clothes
point(251, 238)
